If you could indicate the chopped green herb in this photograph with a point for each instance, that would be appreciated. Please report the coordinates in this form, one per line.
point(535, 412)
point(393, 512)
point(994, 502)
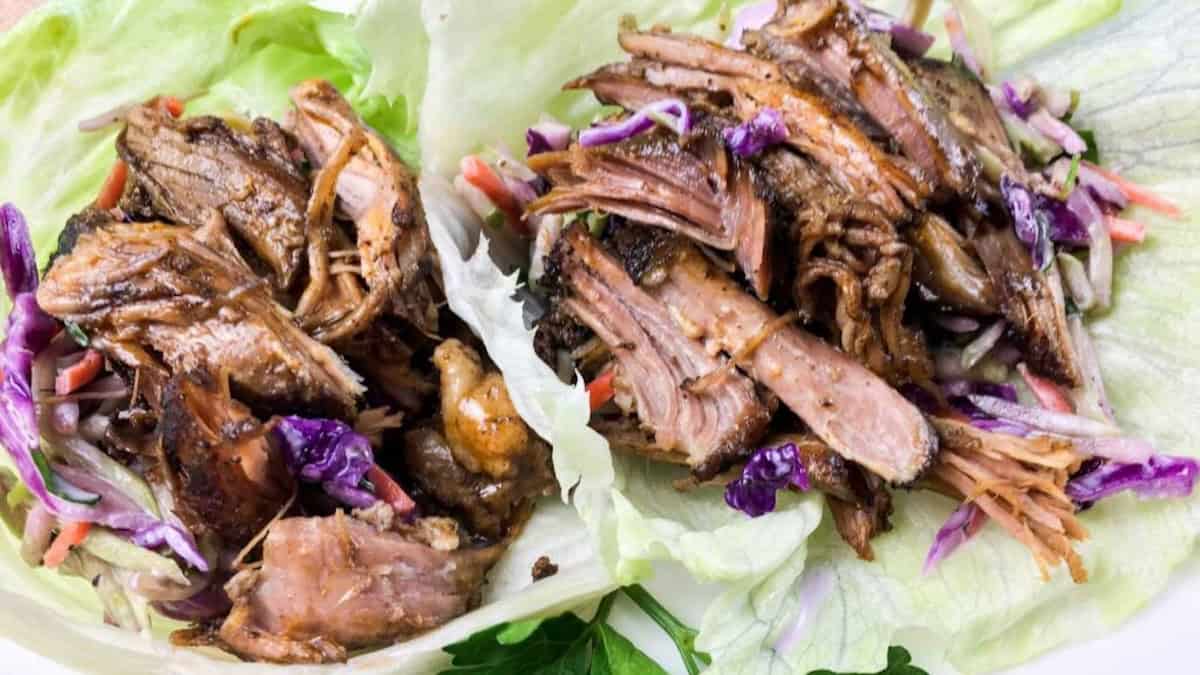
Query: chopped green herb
point(76, 333)
point(58, 486)
point(495, 220)
point(1073, 107)
point(1072, 176)
point(596, 223)
point(1093, 151)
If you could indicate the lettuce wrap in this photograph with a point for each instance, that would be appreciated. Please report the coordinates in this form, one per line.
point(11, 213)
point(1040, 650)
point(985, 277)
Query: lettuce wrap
point(69, 61)
point(793, 598)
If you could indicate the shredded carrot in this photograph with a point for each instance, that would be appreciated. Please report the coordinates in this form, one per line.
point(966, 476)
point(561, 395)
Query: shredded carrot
point(71, 534)
point(113, 186)
point(172, 105)
point(387, 489)
point(476, 172)
point(78, 374)
point(1139, 195)
point(1125, 231)
point(1048, 394)
point(600, 390)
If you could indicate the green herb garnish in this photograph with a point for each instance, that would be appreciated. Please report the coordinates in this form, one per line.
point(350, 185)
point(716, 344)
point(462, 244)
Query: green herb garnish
point(1072, 176)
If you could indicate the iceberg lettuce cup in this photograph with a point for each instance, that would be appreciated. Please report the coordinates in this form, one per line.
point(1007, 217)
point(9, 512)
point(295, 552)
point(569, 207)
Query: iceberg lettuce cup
point(794, 597)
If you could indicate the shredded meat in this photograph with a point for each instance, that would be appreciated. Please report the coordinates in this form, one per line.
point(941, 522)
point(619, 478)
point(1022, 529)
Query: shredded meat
point(379, 193)
point(187, 168)
point(225, 476)
point(185, 295)
point(658, 358)
point(1019, 483)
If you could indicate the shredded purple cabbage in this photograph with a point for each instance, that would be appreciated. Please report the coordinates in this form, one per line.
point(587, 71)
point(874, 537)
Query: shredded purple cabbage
point(29, 332)
point(19, 262)
point(958, 393)
point(1158, 477)
point(962, 524)
point(1031, 225)
point(1101, 188)
point(1065, 226)
point(768, 471)
point(750, 138)
point(173, 537)
point(672, 113)
point(328, 452)
point(906, 39)
point(210, 603)
point(547, 136)
point(1021, 107)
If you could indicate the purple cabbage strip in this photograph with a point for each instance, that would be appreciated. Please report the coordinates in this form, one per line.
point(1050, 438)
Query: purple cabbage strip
point(19, 262)
point(750, 138)
point(1058, 131)
point(1021, 107)
point(671, 112)
point(547, 136)
point(1160, 476)
point(768, 471)
point(175, 538)
point(1065, 226)
point(1031, 226)
point(210, 603)
point(328, 452)
point(962, 524)
point(907, 39)
point(1101, 187)
point(751, 17)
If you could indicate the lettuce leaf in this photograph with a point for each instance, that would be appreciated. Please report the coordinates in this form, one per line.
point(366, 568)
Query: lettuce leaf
point(791, 596)
point(71, 60)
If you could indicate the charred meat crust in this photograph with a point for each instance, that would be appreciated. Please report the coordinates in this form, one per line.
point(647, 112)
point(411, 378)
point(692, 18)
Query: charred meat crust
point(225, 476)
point(1030, 305)
point(187, 168)
point(487, 505)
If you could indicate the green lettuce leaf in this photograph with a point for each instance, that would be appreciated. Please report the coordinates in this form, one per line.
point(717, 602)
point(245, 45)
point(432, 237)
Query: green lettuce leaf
point(71, 60)
point(791, 596)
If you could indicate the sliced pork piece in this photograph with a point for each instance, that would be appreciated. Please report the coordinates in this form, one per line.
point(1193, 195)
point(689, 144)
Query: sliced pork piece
point(187, 168)
point(1030, 304)
point(855, 412)
point(692, 187)
point(695, 52)
point(947, 269)
point(852, 160)
point(379, 193)
point(330, 585)
point(224, 474)
point(622, 84)
point(857, 165)
point(185, 296)
point(711, 425)
point(826, 41)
